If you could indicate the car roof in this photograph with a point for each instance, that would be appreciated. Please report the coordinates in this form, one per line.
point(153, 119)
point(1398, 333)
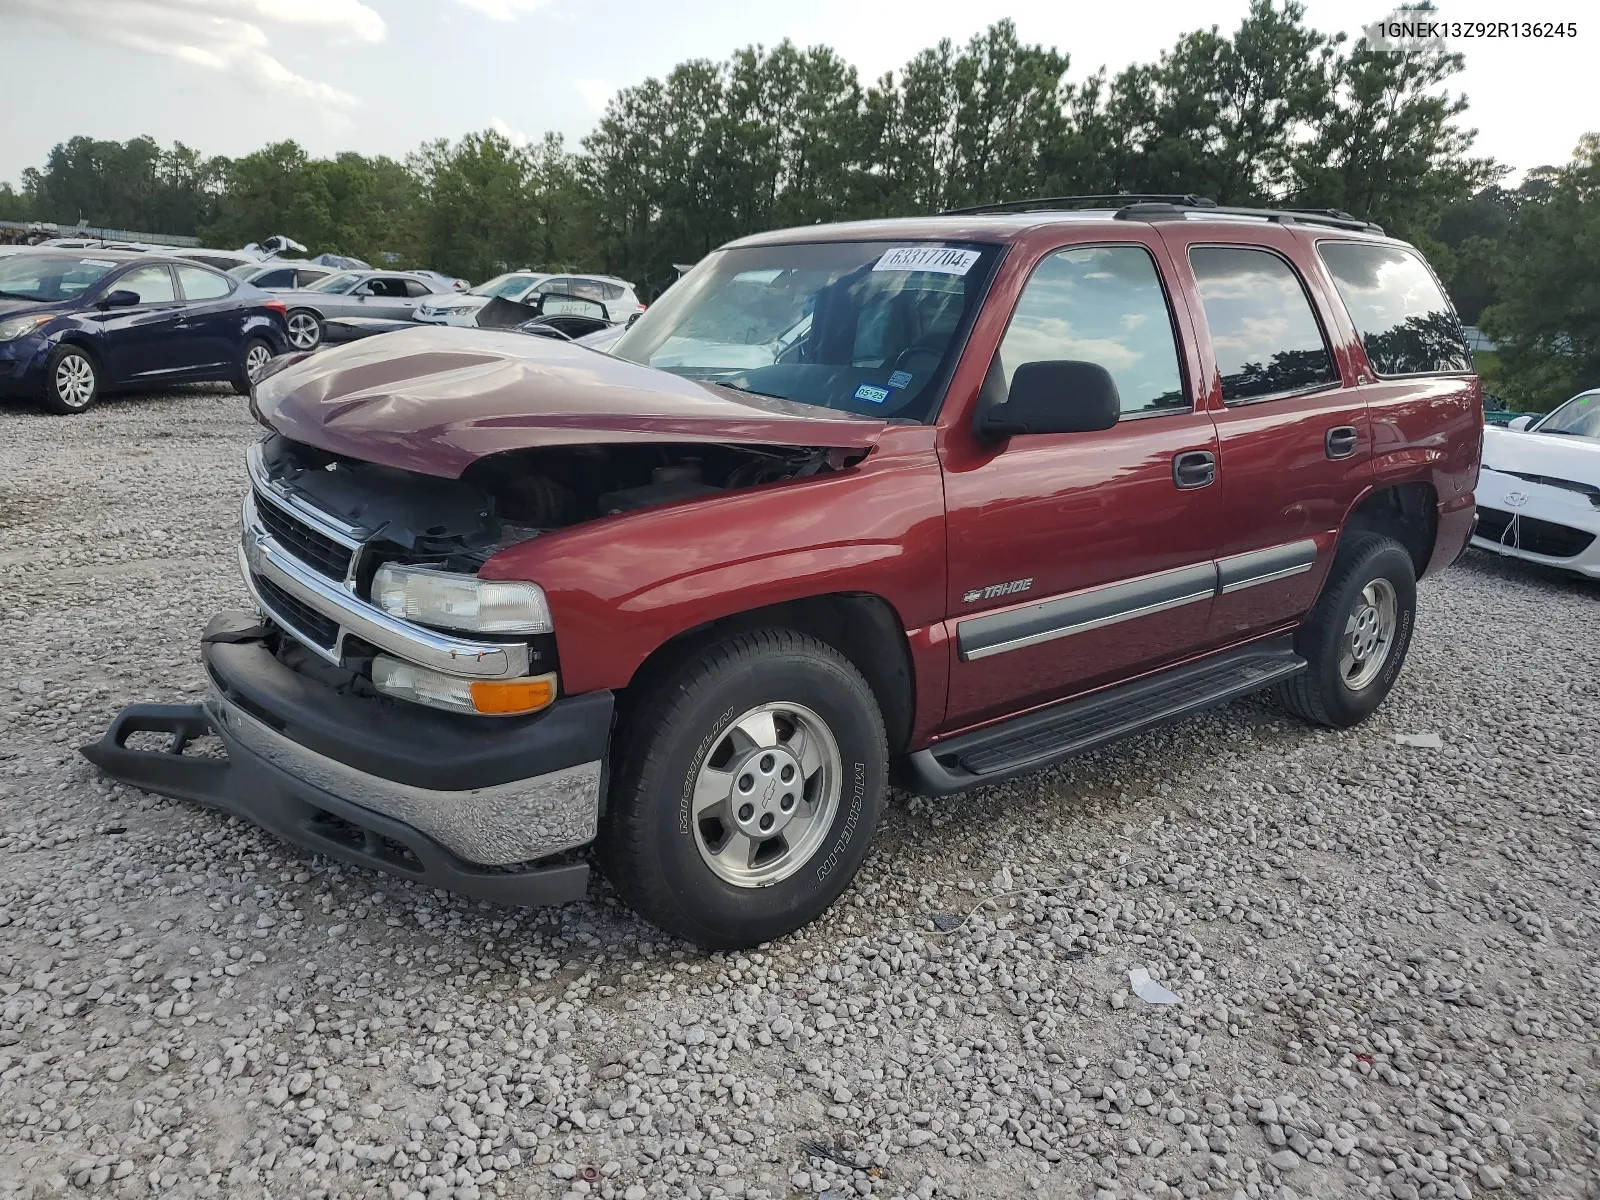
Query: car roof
point(1005, 227)
point(109, 255)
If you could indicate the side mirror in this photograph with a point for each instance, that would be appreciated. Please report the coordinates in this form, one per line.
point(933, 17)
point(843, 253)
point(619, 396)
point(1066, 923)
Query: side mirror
point(632, 318)
point(120, 298)
point(1062, 396)
point(1520, 422)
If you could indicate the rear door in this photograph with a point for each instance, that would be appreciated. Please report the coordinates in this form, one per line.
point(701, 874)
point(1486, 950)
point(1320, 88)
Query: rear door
point(144, 341)
point(1295, 443)
point(1078, 560)
point(213, 321)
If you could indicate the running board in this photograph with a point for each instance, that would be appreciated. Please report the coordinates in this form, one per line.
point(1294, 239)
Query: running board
point(1039, 739)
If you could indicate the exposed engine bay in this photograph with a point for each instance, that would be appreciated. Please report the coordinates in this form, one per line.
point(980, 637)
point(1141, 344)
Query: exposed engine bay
point(508, 498)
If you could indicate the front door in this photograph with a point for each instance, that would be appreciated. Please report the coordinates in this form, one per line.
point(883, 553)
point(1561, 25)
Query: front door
point(1296, 444)
point(144, 342)
point(1080, 559)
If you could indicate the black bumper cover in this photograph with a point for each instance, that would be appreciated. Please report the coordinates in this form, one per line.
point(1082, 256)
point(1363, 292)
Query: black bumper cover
point(392, 741)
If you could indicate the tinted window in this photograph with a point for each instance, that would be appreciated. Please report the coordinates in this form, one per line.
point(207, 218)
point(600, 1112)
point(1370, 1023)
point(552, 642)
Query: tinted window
point(415, 287)
point(283, 277)
point(307, 278)
point(202, 285)
point(1101, 304)
point(153, 285)
point(1263, 331)
point(1405, 323)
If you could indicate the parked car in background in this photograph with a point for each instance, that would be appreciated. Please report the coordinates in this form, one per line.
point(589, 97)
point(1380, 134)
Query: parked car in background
point(75, 324)
point(341, 262)
point(221, 260)
point(615, 295)
point(446, 283)
point(282, 273)
point(392, 294)
point(1539, 490)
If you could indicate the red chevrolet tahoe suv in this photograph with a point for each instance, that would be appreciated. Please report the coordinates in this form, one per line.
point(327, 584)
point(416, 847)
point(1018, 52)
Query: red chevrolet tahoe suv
point(941, 500)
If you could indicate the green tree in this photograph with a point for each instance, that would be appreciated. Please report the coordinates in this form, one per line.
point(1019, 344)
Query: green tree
point(1547, 320)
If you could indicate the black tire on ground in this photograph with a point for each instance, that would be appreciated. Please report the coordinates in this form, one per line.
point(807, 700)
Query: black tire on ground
point(648, 840)
point(305, 329)
point(241, 380)
point(1323, 693)
point(71, 381)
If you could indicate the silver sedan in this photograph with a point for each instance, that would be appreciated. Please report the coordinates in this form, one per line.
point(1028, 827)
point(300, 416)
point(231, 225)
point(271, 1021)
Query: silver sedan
point(389, 294)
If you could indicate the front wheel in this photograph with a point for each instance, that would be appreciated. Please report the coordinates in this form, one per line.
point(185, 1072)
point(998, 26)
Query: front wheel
point(71, 381)
point(305, 329)
point(1356, 638)
point(748, 785)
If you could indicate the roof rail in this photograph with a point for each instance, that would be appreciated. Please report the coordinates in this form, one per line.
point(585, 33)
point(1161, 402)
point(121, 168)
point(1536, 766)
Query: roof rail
point(1112, 200)
point(1143, 210)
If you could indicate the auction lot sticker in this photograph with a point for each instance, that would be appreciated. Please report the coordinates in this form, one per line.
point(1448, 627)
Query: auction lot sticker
point(927, 258)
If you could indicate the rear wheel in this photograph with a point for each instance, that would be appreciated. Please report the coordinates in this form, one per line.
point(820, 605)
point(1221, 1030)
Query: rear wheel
point(305, 329)
point(257, 354)
point(748, 785)
point(71, 381)
point(1356, 638)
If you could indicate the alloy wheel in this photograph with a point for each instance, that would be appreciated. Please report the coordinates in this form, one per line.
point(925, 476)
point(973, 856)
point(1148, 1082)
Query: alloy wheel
point(74, 381)
point(1368, 634)
point(303, 333)
point(255, 361)
point(766, 795)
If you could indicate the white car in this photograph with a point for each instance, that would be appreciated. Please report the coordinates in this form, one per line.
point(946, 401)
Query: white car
point(461, 308)
point(1539, 491)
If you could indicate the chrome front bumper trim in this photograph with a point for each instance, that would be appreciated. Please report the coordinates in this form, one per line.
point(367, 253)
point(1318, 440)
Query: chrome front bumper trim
point(509, 823)
point(261, 555)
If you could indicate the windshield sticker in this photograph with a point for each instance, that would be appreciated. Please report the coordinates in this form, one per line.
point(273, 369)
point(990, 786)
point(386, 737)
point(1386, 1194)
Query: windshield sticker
point(899, 379)
point(938, 259)
point(872, 395)
point(96, 262)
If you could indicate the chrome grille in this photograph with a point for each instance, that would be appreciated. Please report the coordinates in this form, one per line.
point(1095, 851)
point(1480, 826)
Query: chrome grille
point(315, 549)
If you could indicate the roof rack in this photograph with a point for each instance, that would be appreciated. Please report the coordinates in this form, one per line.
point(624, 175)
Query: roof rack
point(1112, 200)
point(1155, 210)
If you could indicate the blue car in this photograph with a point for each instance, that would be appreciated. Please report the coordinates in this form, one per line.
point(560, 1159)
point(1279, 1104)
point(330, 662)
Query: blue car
point(76, 324)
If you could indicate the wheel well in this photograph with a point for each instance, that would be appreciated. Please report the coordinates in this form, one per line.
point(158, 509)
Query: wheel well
point(862, 627)
point(80, 343)
point(1406, 512)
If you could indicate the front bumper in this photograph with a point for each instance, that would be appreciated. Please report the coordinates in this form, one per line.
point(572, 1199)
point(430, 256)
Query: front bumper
point(1519, 518)
point(466, 804)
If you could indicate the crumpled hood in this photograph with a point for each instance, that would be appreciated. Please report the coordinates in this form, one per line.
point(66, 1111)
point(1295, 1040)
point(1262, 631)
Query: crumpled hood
point(1556, 455)
point(437, 399)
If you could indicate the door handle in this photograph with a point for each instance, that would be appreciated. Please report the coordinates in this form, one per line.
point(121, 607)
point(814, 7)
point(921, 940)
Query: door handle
point(1194, 469)
point(1341, 441)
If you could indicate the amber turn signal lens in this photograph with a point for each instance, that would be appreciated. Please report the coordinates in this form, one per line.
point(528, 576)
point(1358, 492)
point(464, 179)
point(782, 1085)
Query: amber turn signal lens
point(508, 697)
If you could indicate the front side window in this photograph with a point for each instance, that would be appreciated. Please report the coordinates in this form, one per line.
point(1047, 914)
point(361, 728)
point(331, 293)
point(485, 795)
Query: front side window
point(153, 285)
point(1105, 305)
point(1407, 327)
point(1265, 337)
point(199, 284)
point(862, 327)
point(49, 278)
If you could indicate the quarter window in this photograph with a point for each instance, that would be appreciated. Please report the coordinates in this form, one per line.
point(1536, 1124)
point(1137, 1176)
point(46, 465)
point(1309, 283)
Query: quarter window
point(1265, 337)
point(1105, 305)
point(1407, 327)
point(202, 285)
point(153, 285)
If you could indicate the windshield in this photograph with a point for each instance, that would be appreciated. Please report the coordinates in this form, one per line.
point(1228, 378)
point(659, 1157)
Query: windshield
point(50, 277)
point(337, 284)
point(863, 327)
point(1579, 417)
point(506, 287)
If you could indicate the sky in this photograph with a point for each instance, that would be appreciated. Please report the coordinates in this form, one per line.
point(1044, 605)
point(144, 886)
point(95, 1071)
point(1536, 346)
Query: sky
point(382, 76)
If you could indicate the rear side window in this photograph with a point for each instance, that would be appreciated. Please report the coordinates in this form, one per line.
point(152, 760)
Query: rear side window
point(199, 284)
point(415, 288)
point(1263, 332)
point(1406, 325)
point(613, 291)
point(281, 278)
point(1105, 305)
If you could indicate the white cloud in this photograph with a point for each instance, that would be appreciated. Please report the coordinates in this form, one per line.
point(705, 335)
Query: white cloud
point(217, 35)
point(595, 91)
point(515, 136)
point(503, 10)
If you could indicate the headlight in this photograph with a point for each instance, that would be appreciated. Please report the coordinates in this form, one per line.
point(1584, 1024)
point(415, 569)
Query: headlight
point(454, 601)
point(490, 697)
point(14, 327)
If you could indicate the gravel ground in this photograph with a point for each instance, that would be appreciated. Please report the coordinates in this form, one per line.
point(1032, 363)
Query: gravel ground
point(1386, 955)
